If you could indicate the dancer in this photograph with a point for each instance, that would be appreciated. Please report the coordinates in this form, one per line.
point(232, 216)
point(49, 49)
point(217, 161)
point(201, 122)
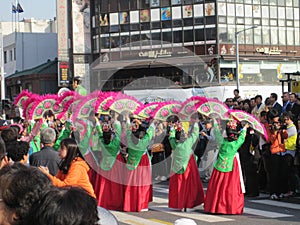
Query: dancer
point(109, 182)
point(138, 178)
point(185, 187)
point(225, 189)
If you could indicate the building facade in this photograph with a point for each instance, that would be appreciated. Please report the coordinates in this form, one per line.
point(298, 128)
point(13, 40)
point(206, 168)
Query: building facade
point(192, 42)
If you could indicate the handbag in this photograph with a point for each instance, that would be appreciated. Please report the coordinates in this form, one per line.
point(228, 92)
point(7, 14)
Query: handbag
point(157, 148)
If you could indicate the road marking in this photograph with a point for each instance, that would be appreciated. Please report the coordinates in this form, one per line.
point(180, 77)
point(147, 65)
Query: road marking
point(263, 213)
point(191, 214)
point(277, 204)
point(135, 220)
point(161, 221)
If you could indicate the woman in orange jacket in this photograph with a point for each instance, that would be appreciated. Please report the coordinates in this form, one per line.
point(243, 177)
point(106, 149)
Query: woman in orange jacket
point(73, 170)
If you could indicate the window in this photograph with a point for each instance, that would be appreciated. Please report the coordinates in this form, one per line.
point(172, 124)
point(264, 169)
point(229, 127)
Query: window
point(188, 36)
point(290, 36)
point(274, 36)
point(5, 56)
point(211, 34)
point(177, 36)
point(199, 35)
point(11, 55)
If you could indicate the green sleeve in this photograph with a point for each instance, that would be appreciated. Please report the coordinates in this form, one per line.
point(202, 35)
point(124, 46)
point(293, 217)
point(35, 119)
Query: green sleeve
point(84, 144)
point(65, 133)
point(172, 139)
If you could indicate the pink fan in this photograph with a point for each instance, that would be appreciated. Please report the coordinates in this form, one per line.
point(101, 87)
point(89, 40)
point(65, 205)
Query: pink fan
point(212, 108)
point(166, 109)
point(145, 111)
point(122, 103)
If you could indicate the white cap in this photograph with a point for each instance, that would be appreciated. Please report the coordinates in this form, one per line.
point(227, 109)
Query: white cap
point(184, 221)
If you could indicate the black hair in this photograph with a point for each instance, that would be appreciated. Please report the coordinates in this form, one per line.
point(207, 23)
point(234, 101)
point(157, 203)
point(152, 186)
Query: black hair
point(9, 134)
point(17, 150)
point(237, 90)
point(22, 187)
point(107, 137)
point(274, 95)
point(180, 136)
point(73, 152)
point(272, 113)
point(258, 96)
point(78, 79)
point(65, 206)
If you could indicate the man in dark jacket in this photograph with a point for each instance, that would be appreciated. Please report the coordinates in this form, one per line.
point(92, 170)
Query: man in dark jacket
point(47, 157)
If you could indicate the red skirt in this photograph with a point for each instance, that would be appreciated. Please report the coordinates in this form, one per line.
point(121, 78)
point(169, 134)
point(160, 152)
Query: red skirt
point(186, 190)
point(224, 193)
point(109, 187)
point(138, 187)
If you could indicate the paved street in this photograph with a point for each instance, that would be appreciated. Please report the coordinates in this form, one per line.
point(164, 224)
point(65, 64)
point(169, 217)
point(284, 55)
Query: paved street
point(257, 211)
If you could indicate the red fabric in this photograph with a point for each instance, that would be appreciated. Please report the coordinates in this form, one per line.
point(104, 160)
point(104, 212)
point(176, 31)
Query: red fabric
point(138, 187)
point(108, 186)
point(224, 193)
point(186, 190)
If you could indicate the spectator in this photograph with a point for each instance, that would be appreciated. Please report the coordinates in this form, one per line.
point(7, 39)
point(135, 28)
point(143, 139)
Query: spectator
point(3, 156)
point(246, 106)
point(237, 96)
point(285, 101)
point(274, 103)
point(293, 107)
point(229, 102)
point(18, 151)
point(9, 135)
point(259, 106)
point(65, 206)
point(47, 157)
point(21, 188)
point(73, 170)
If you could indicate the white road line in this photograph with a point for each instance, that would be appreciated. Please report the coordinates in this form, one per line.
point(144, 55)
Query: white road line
point(277, 204)
point(264, 213)
point(133, 220)
point(190, 214)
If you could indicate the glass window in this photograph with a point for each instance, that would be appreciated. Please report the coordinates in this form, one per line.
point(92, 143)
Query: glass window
point(188, 36)
point(296, 14)
point(156, 25)
point(177, 23)
point(248, 10)
point(200, 21)
point(231, 20)
point(240, 20)
point(296, 3)
point(144, 4)
point(265, 2)
point(114, 42)
point(222, 9)
point(273, 2)
point(176, 2)
point(133, 4)
point(230, 9)
point(281, 23)
point(11, 55)
point(199, 35)
point(176, 13)
point(177, 36)
point(273, 12)
point(248, 21)
point(165, 3)
point(104, 42)
point(211, 34)
point(266, 36)
point(231, 32)
point(289, 13)
point(281, 2)
point(188, 22)
point(198, 10)
point(222, 19)
point(265, 11)
point(265, 22)
point(166, 24)
point(297, 35)
point(135, 39)
point(274, 36)
point(282, 39)
point(281, 12)
point(289, 23)
point(134, 17)
point(239, 10)
point(257, 35)
point(256, 11)
point(124, 5)
point(273, 22)
point(248, 1)
point(113, 6)
point(156, 37)
point(256, 1)
point(104, 5)
point(167, 37)
point(290, 36)
point(223, 34)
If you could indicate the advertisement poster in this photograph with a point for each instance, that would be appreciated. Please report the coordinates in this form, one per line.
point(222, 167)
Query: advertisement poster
point(124, 17)
point(154, 3)
point(176, 13)
point(210, 9)
point(165, 13)
point(134, 17)
point(155, 15)
point(198, 10)
point(104, 20)
point(145, 15)
point(187, 11)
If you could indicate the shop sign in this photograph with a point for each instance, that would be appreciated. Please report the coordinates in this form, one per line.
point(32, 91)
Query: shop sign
point(269, 51)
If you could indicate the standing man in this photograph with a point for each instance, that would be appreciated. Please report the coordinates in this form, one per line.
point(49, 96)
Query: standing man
point(77, 86)
point(285, 101)
point(259, 106)
point(293, 107)
point(47, 157)
point(274, 103)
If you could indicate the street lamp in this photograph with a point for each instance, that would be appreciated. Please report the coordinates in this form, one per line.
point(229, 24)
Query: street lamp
point(237, 54)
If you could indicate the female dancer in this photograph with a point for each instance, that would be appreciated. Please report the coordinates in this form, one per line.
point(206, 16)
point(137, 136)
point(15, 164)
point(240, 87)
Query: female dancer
point(185, 187)
point(225, 189)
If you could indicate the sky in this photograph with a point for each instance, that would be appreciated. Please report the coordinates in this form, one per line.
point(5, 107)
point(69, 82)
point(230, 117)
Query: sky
point(37, 9)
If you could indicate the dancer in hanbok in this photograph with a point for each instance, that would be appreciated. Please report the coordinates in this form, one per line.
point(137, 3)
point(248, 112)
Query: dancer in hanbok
point(138, 183)
point(185, 186)
point(225, 191)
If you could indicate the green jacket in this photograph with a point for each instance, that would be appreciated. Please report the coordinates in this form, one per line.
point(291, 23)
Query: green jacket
point(135, 152)
point(224, 162)
point(65, 133)
point(182, 151)
point(81, 90)
point(110, 151)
